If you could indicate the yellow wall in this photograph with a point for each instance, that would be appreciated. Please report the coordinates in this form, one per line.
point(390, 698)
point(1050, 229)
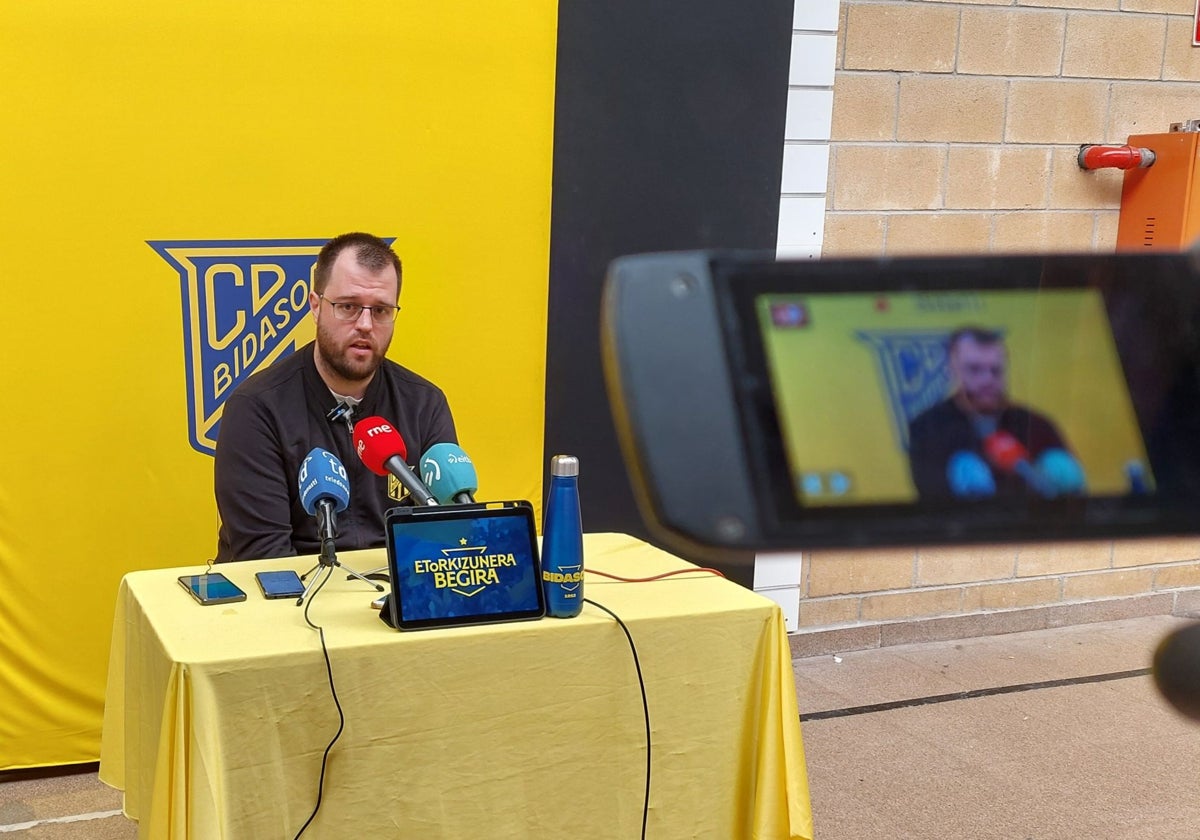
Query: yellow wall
point(128, 122)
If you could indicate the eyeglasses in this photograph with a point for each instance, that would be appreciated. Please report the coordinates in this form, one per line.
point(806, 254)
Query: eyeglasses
point(380, 313)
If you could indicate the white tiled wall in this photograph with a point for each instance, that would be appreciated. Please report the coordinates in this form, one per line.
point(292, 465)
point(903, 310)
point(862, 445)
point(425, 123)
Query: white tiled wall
point(802, 211)
point(815, 15)
point(806, 132)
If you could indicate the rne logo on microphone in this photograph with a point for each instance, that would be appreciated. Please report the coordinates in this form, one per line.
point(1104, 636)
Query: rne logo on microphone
point(377, 430)
point(244, 305)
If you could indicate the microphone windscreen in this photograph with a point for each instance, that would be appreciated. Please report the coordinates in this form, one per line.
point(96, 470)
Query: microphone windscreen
point(447, 471)
point(322, 476)
point(1004, 450)
point(969, 477)
point(1060, 468)
point(1177, 670)
point(1136, 473)
point(376, 441)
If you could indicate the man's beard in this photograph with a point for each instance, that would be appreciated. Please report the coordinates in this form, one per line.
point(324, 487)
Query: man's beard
point(339, 363)
point(991, 403)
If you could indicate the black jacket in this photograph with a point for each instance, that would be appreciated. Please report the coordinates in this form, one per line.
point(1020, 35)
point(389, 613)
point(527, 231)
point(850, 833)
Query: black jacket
point(944, 429)
point(275, 418)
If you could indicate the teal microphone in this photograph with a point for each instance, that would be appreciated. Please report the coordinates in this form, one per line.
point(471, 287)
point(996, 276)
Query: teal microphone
point(449, 474)
point(1063, 471)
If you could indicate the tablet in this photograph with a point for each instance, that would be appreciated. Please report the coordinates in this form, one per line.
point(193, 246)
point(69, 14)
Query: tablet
point(463, 564)
point(774, 405)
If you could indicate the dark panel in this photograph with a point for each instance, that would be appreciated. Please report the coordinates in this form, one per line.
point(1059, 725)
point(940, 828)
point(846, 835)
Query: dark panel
point(668, 134)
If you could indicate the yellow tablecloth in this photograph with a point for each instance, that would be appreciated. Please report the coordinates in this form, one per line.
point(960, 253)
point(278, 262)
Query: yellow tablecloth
point(216, 717)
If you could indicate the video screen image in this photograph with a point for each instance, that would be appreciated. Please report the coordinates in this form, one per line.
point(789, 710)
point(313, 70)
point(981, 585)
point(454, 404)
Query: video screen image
point(478, 566)
point(891, 398)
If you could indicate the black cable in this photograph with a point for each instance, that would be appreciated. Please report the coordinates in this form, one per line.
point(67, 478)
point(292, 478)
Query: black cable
point(333, 691)
point(645, 707)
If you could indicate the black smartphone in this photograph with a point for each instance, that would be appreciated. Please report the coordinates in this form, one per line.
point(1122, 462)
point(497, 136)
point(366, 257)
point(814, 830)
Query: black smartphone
point(285, 584)
point(212, 588)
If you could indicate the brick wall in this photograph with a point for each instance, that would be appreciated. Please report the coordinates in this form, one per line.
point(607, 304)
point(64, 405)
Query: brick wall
point(956, 124)
point(955, 128)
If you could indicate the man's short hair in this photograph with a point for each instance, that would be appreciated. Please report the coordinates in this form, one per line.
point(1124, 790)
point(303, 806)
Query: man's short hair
point(980, 335)
point(370, 252)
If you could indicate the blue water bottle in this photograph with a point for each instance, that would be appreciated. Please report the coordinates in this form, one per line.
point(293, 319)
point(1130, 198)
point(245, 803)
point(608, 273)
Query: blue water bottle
point(562, 540)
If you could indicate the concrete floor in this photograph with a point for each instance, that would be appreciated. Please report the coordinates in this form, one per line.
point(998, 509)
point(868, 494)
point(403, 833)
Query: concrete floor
point(1104, 759)
point(993, 737)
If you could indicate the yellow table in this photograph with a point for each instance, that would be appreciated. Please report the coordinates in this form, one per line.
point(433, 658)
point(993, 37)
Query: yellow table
point(216, 717)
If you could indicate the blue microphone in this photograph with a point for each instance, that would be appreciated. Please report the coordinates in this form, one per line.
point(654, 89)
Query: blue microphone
point(324, 490)
point(1135, 471)
point(449, 474)
point(969, 476)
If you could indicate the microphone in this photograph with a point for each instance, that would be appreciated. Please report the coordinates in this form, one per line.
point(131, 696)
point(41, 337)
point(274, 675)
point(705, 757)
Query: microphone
point(969, 477)
point(324, 490)
point(1177, 670)
point(1136, 473)
point(1009, 455)
point(342, 411)
point(1062, 471)
point(383, 451)
point(449, 474)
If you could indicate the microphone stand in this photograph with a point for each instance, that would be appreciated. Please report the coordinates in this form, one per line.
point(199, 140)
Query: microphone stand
point(462, 497)
point(327, 559)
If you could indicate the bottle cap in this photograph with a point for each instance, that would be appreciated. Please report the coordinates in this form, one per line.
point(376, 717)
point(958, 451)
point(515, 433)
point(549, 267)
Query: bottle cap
point(564, 465)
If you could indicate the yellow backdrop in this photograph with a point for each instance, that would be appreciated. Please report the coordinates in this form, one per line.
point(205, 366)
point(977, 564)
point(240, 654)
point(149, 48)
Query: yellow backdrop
point(130, 122)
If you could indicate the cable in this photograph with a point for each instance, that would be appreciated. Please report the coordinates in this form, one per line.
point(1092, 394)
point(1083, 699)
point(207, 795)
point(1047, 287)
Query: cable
point(332, 690)
point(633, 648)
point(645, 707)
point(653, 577)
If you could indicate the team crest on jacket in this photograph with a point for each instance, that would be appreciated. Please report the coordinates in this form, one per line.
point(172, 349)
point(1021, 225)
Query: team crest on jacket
point(396, 491)
point(912, 370)
point(245, 304)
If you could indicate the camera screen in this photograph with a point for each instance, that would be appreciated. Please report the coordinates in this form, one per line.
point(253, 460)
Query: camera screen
point(891, 397)
point(764, 404)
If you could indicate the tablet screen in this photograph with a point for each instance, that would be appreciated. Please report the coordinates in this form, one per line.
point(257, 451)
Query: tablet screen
point(466, 564)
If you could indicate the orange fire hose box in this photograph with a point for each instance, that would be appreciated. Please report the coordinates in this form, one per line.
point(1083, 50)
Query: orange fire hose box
point(1160, 203)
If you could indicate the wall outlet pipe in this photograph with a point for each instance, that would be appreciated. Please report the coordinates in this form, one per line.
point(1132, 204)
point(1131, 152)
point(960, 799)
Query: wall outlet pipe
point(1114, 157)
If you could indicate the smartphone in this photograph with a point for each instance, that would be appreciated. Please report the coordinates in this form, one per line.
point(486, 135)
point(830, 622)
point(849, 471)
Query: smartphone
point(213, 588)
point(285, 584)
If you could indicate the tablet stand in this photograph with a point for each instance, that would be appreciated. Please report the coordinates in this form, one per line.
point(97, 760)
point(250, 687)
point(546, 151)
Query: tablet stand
point(328, 556)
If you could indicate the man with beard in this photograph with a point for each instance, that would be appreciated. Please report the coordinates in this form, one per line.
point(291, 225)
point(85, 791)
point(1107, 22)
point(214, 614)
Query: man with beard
point(312, 398)
point(968, 445)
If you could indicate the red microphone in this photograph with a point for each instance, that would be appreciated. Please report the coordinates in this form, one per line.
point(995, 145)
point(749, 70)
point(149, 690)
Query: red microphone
point(382, 449)
point(1006, 453)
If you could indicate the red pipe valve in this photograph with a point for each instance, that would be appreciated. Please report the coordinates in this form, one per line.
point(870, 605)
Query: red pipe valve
point(1114, 157)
